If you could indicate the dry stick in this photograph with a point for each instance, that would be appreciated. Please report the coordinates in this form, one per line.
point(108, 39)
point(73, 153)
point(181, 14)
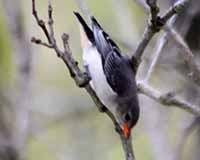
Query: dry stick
point(155, 24)
point(152, 93)
point(186, 52)
point(163, 140)
point(81, 78)
point(168, 99)
point(40, 22)
point(161, 43)
point(151, 29)
point(188, 56)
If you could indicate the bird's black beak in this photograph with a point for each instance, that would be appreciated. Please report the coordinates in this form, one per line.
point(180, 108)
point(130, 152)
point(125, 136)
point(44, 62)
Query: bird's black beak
point(126, 130)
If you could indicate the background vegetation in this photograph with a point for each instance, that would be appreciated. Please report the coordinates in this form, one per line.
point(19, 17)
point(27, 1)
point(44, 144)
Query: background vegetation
point(61, 121)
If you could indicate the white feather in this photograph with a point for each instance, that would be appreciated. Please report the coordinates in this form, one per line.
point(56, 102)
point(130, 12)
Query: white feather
point(99, 83)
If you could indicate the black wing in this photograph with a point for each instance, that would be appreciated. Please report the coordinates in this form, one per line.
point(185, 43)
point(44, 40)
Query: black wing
point(103, 42)
point(117, 68)
point(119, 74)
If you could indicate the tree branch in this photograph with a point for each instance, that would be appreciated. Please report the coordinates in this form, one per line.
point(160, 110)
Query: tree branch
point(80, 77)
point(160, 44)
point(155, 24)
point(168, 99)
point(188, 56)
point(189, 59)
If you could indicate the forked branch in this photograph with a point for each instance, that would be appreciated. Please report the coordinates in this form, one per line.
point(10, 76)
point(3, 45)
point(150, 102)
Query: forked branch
point(155, 24)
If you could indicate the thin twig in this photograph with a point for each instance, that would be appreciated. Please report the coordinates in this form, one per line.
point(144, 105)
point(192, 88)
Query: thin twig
point(127, 147)
point(147, 36)
point(40, 42)
point(40, 22)
point(159, 48)
point(154, 9)
point(155, 24)
point(189, 59)
point(178, 7)
point(187, 55)
point(161, 43)
point(167, 99)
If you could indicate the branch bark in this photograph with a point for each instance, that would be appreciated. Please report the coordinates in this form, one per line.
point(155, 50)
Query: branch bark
point(155, 24)
point(168, 99)
point(189, 59)
point(188, 56)
point(160, 44)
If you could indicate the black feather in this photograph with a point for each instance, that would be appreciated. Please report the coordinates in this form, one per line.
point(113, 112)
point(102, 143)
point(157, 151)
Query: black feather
point(87, 29)
point(117, 69)
point(103, 42)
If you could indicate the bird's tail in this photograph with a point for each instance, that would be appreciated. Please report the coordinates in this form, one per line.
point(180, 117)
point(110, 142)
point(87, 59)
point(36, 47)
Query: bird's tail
point(95, 23)
point(86, 28)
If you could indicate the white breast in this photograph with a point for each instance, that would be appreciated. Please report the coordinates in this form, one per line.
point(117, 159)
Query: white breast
point(99, 83)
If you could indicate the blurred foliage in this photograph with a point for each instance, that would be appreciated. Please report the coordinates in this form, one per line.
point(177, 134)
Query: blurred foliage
point(5, 53)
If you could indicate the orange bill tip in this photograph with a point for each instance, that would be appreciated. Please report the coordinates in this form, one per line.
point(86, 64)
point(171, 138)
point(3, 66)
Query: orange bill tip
point(126, 130)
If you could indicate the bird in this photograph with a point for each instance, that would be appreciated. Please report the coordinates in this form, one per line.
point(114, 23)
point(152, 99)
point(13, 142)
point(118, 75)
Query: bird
point(111, 72)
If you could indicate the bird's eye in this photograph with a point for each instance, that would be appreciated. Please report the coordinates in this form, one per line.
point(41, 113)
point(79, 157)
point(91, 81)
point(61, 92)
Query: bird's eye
point(127, 117)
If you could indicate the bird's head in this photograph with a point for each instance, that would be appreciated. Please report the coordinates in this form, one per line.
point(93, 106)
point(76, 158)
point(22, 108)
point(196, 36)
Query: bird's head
point(127, 117)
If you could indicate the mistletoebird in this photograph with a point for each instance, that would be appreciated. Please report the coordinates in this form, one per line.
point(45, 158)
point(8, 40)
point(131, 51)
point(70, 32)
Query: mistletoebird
point(111, 73)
